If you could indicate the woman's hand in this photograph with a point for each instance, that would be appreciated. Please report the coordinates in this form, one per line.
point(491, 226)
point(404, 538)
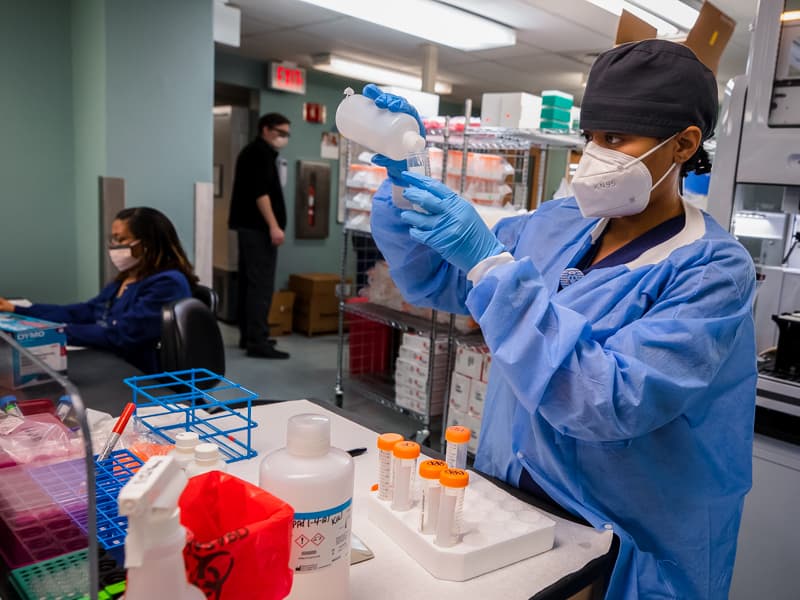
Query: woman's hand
point(6, 306)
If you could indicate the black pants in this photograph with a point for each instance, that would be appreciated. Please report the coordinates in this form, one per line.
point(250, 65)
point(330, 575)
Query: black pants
point(257, 261)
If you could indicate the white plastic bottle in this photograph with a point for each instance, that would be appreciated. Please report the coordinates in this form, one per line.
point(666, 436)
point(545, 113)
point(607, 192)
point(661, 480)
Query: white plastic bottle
point(392, 134)
point(317, 481)
point(185, 443)
point(206, 458)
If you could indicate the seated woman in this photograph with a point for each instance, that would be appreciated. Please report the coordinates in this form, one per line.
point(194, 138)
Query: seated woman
point(126, 316)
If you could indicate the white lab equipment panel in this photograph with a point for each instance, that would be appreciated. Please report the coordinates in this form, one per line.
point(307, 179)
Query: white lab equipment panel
point(498, 530)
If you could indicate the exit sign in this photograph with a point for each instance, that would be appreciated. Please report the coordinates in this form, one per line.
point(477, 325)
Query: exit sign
point(287, 78)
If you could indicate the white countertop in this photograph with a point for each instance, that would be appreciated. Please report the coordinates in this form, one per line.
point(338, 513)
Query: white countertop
point(392, 574)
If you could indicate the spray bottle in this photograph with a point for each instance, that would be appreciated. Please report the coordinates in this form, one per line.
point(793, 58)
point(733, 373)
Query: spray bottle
point(155, 541)
point(395, 135)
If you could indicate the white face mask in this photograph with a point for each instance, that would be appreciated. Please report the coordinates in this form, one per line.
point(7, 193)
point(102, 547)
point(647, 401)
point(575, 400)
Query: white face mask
point(279, 142)
point(609, 183)
point(123, 258)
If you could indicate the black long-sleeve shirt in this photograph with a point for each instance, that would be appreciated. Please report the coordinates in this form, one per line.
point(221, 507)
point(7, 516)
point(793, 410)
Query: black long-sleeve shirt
point(256, 175)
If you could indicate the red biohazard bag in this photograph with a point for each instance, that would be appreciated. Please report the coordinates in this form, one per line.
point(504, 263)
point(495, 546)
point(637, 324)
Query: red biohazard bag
point(239, 538)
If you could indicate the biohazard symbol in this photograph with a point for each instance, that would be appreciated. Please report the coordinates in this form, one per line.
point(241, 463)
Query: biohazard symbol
point(302, 541)
point(318, 539)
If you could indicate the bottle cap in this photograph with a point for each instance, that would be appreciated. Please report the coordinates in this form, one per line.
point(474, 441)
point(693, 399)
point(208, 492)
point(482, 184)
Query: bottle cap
point(431, 469)
point(406, 449)
point(454, 478)
point(413, 142)
point(308, 435)
point(457, 434)
point(386, 441)
point(206, 452)
point(186, 439)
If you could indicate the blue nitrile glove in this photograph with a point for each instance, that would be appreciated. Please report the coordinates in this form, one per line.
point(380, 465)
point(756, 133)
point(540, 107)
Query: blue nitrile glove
point(452, 226)
point(392, 103)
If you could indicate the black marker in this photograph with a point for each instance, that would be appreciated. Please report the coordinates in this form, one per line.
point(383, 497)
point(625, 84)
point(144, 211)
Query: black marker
point(356, 451)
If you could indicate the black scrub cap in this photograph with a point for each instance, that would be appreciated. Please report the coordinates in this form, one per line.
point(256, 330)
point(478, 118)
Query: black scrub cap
point(653, 88)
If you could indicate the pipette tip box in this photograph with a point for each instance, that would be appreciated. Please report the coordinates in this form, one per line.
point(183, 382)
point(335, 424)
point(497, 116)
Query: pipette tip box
point(498, 530)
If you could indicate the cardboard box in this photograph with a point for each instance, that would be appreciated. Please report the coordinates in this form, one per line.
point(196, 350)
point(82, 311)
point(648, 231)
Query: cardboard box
point(280, 313)
point(487, 366)
point(316, 306)
point(474, 425)
point(44, 339)
point(460, 388)
point(469, 362)
point(518, 110)
point(477, 397)
point(708, 37)
point(455, 417)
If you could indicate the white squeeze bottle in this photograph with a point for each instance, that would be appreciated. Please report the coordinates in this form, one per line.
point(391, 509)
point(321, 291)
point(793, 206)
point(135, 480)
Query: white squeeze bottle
point(155, 539)
point(392, 134)
point(317, 481)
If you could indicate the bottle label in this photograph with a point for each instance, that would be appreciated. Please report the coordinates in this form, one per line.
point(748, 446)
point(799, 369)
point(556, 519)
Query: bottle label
point(321, 538)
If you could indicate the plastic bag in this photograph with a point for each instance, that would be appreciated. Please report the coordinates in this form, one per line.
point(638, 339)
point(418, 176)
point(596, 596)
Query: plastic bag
point(239, 538)
point(37, 438)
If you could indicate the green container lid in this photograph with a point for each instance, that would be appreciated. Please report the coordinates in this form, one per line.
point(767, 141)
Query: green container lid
point(560, 125)
point(557, 99)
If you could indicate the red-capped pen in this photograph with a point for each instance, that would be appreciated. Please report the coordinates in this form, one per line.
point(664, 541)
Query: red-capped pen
point(119, 427)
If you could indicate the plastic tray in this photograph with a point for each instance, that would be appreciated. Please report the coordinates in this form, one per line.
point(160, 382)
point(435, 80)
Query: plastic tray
point(216, 408)
point(63, 578)
point(66, 577)
point(33, 526)
point(498, 530)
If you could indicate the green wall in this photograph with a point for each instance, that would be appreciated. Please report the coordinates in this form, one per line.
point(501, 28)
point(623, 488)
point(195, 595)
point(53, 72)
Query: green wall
point(36, 152)
point(159, 97)
point(89, 117)
point(556, 168)
point(91, 88)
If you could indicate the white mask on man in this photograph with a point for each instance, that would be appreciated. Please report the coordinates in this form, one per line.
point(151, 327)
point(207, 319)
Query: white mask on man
point(122, 257)
point(609, 183)
point(279, 142)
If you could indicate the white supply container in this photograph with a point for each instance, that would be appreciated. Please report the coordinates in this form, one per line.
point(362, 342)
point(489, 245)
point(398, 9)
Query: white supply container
point(185, 443)
point(317, 481)
point(392, 134)
point(206, 458)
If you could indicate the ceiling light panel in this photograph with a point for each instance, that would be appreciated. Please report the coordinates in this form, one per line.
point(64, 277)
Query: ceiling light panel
point(428, 20)
point(373, 73)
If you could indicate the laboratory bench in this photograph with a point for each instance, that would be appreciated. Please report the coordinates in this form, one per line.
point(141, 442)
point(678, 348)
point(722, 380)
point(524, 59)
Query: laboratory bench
point(581, 555)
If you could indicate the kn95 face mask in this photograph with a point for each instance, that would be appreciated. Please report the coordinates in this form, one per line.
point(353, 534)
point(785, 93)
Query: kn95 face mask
point(609, 183)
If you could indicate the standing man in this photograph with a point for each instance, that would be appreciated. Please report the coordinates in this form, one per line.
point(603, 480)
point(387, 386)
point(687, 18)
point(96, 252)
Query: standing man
point(258, 213)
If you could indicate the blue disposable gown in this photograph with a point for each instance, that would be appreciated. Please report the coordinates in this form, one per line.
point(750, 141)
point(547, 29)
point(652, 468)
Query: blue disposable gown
point(129, 325)
point(629, 396)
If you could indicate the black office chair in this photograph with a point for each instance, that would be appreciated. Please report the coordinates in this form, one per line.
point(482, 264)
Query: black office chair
point(190, 338)
point(207, 296)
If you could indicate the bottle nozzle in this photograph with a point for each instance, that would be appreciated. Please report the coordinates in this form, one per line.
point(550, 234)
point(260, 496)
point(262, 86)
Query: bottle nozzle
point(348, 91)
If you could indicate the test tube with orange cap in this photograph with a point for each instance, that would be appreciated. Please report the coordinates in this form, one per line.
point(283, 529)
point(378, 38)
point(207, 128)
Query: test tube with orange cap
point(405, 462)
point(457, 441)
point(429, 474)
point(386, 442)
point(451, 506)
